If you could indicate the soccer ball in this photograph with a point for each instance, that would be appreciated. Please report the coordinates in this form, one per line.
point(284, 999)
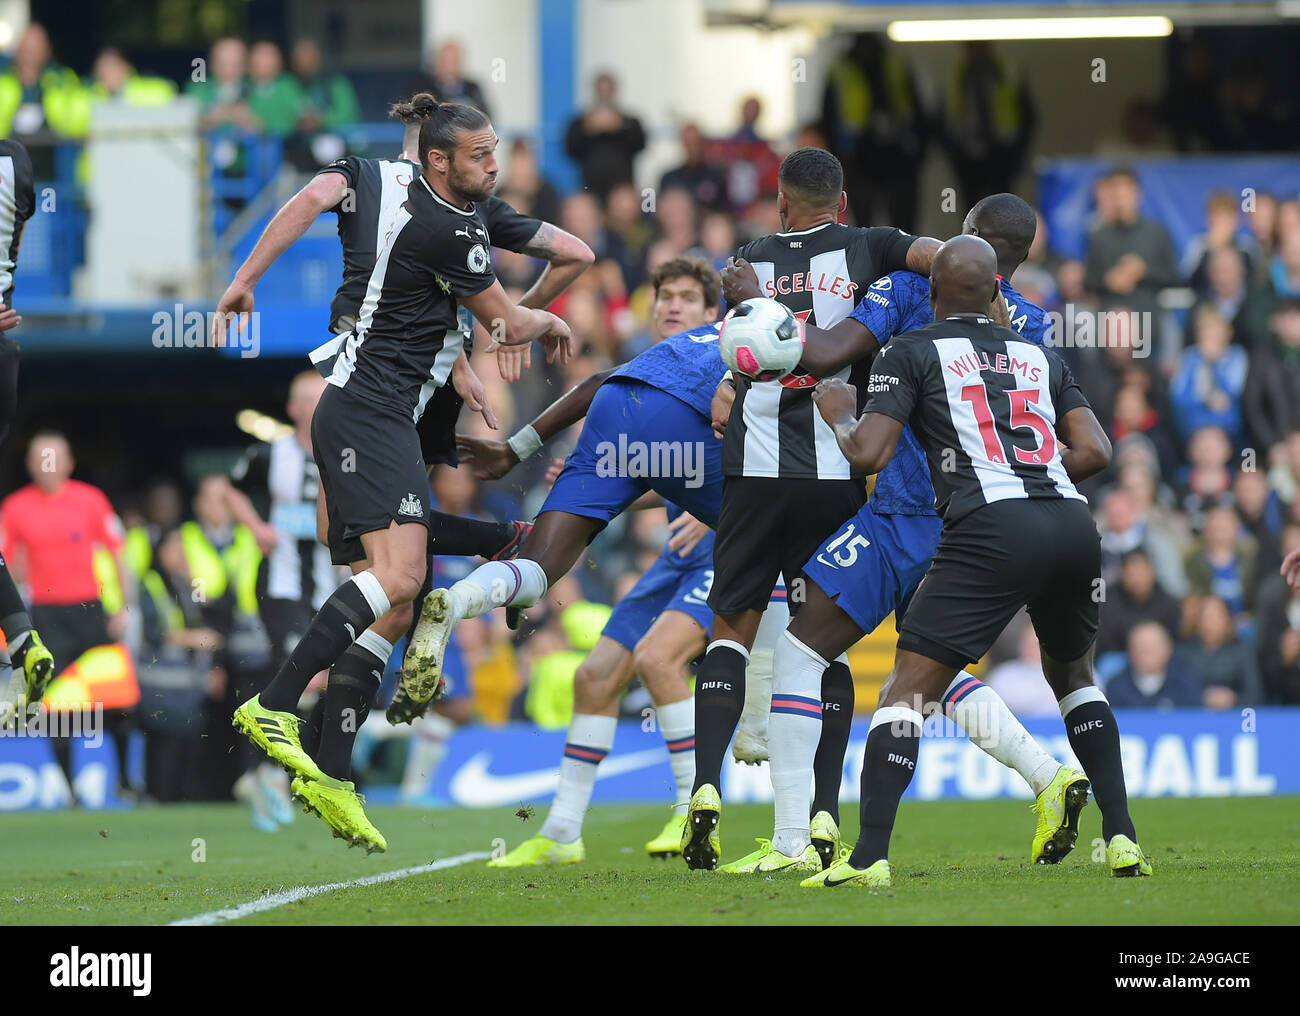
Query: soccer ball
point(761, 339)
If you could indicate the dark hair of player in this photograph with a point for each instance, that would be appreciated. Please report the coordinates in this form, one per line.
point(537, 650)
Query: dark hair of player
point(446, 122)
point(414, 110)
point(812, 177)
point(1008, 223)
point(693, 268)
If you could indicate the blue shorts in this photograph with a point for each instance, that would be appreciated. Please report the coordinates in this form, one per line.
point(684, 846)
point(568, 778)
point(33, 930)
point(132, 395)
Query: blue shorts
point(666, 586)
point(873, 563)
point(636, 439)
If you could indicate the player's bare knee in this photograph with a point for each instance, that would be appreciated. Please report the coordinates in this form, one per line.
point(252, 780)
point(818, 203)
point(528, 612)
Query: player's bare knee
point(659, 668)
point(592, 689)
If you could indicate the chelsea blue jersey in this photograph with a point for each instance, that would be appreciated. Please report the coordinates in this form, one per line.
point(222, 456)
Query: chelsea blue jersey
point(687, 366)
point(898, 303)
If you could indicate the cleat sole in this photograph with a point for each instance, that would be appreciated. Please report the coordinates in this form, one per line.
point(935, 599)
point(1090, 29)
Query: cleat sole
point(421, 674)
point(698, 851)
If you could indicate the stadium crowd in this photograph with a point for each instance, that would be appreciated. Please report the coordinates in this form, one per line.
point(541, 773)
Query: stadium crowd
point(1200, 503)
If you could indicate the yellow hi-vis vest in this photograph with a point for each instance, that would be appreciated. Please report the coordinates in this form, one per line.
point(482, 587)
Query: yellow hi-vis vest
point(855, 101)
point(212, 572)
point(1006, 99)
point(60, 99)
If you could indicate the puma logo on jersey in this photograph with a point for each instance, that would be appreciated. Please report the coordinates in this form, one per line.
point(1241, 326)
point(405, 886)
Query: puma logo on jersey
point(468, 232)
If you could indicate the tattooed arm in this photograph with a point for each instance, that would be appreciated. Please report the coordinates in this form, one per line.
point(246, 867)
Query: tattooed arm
point(921, 254)
point(566, 258)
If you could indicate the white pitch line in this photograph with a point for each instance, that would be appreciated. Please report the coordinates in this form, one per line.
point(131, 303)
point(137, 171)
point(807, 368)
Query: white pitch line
point(303, 892)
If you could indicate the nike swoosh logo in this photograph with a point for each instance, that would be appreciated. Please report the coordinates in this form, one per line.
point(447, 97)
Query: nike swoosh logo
point(476, 785)
point(839, 881)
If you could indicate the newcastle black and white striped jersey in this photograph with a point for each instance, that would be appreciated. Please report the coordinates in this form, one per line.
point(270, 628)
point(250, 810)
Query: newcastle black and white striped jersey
point(819, 273)
point(282, 481)
point(409, 332)
point(376, 189)
point(17, 203)
point(984, 402)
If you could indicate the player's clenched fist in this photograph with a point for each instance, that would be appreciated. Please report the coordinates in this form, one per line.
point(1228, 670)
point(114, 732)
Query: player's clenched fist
point(739, 281)
point(835, 399)
point(720, 409)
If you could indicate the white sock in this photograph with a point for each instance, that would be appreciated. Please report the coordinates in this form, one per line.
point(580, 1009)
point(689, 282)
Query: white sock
point(590, 738)
point(793, 730)
point(677, 724)
point(517, 583)
point(992, 727)
point(425, 752)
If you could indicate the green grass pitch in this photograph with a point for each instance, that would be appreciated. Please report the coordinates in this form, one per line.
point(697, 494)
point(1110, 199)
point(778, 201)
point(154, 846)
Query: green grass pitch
point(1223, 861)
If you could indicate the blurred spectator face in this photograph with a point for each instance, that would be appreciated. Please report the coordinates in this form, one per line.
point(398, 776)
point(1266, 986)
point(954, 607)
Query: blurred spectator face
point(1138, 482)
point(676, 213)
point(1137, 577)
point(1225, 271)
point(623, 207)
point(1288, 251)
point(1103, 195)
point(1263, 220)
point(809, 137)
point(1285, 324)
point(305, 59)
point(33, 51)
point(750, 111)
point(523, 174)
point(171, 554)
point(265, 62)
point(1127, 196)
point(455, 490)
point(163, 506)
point(1222, 218)
point(210, 502)
point(304, 392)
point(679, 306)
point(1221, 529)
point(49, 462)
point(1250, 490)
point(606, 89)
point(448, 62)
point(111, 71)
point(1288, 218)
point(1131, 407)
point(228, 60)
point(580, 215)
point(1038, 246)
point(1119, 513)
point(1214, 624)
point(1213, 333)
point(692, 145)
point(659, 252)
point(1149, 648)
point(1209, 448)
point(718, 235)
point(586, 318)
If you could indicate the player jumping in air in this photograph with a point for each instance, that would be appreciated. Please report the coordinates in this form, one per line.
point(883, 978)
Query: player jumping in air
point(432, 260)
point(993, 413)
point(873, 564)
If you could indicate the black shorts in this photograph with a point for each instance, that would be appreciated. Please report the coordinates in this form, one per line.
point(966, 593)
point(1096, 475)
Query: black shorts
point(768, 527)
point(437, 427)
point(371, 468)
point(1044, 554)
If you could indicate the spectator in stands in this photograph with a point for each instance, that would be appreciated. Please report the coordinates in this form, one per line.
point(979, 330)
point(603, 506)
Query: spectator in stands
point(1102, 372)
point(1256, 117)
point(274, 97)
point(1282, 285)
point(1278, 631)
point(116, 80)
point(1261, 515)
point(604, 140)
point(750, 111)
point(1153, 678)
point(1135, 599)
point(1224, 231)
point(1224, 562)
point(222, 89)
point(1210, 377)
point(1020, 682)
point(1223, 663)
point(1141, 132)
point(1207, 479)
point(706, 182)
point(873, 121)
point(634, 230)
point(444, 77)
point(988, 122)
point(1262, 219)
point(525, 189)
point(1134, 415)
point(328, 100)
point(1272, 396)
point(718, 237)
point(1130, 257)
point(1284, 467)
point(1124, 529)
point(1192, 103)
point(1223, 280)
point(675, 211)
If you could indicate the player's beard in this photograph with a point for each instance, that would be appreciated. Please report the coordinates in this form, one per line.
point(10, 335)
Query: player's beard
point(469, 187)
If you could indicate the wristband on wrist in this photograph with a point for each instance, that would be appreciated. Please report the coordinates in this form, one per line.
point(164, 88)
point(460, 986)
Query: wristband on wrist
point(524, 442)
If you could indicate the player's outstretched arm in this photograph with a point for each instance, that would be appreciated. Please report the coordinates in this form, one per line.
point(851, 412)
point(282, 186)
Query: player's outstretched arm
point(1087, 448)
point(493, 459)
point(290, 222)
point(513, 325)
point(868, 443)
